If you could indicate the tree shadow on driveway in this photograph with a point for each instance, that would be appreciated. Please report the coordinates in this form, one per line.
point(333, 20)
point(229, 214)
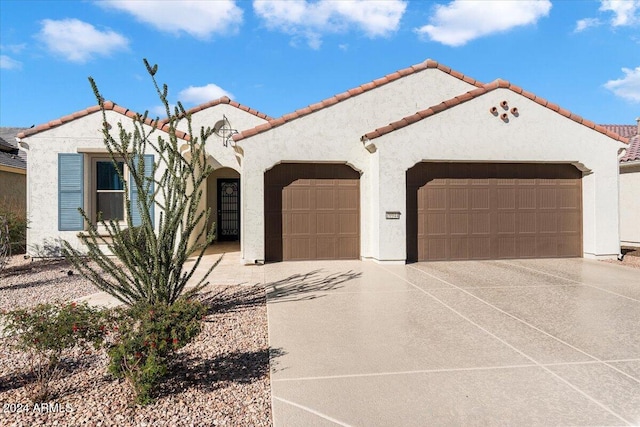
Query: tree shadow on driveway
point(307, 286)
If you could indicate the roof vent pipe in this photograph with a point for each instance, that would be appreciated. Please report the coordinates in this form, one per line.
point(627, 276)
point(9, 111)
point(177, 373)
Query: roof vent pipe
point(638, 121)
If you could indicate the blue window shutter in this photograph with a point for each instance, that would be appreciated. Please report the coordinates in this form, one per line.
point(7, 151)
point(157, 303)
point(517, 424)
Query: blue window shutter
point(70, 191)
point(136, 219)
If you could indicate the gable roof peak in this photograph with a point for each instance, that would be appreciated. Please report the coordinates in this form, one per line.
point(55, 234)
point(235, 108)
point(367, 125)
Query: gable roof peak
point(365, 87)
point(498, 83)
point(107, 106)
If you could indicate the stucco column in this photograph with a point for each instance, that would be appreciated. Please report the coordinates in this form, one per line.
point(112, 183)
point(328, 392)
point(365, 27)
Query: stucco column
point(601, 224)
point(252, 214)
point(390, 234)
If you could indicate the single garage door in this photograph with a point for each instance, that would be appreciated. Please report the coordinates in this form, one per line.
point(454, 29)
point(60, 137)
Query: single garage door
point(463, 211)
point(312, 211)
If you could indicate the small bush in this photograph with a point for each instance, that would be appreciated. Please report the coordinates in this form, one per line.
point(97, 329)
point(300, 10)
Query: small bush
point(17, 224)
point(146, 339)
point(47, 332)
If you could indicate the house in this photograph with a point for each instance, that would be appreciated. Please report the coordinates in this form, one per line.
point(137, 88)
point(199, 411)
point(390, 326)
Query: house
point(629, 184)
point(425, 163)
point(13, 173)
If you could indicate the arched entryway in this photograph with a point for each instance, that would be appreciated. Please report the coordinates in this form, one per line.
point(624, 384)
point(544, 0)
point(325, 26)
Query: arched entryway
point(223, 199)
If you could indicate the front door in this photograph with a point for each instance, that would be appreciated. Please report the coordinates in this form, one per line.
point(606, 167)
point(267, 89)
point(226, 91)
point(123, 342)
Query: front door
point(228, 226)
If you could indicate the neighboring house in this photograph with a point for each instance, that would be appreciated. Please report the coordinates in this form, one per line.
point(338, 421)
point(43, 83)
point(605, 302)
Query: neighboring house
point(422, 164)
point(629, 184)
point(13, 172)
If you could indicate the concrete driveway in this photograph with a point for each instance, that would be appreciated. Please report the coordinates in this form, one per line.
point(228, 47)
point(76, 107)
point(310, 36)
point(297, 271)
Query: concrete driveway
point(536, 342)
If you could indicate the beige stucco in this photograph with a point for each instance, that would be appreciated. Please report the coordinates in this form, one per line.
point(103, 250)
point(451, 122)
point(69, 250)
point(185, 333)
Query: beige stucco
point(470, 133)
point(464, 133)
point(84, 135)
point(332, 135)
point(630, 204)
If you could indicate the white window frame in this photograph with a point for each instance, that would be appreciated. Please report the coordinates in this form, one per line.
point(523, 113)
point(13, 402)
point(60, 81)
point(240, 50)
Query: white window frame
point(93, 188)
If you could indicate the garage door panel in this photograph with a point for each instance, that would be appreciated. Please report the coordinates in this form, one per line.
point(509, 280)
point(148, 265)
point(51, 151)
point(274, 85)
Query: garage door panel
point(526, 247)
point(436, 224)
point(481, 211)
point(325, 198)
point(547, 222)
point(480, 223)
point(325, 223)
point(526, 222)
point(526, 197)
point(547, 198)
point(506, 223)
point(348, 198)
point(505, 198)
point(319, 211)
point(480, 198)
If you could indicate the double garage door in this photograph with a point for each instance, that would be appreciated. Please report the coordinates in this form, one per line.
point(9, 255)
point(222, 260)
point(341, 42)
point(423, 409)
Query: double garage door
point(312, 211)
point(458, 211)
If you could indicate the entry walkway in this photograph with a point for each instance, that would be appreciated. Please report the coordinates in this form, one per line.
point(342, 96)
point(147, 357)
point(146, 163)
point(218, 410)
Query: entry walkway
point(538, 342)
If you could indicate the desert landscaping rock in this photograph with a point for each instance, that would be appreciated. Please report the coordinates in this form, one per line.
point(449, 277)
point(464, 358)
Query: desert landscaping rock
point(222, 378)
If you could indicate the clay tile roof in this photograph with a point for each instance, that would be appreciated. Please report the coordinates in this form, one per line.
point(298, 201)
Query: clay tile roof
point(631, 132)
point(107, 105)
point(633, 151)
point(429, 63)
point(499, 83)
point(224, 100)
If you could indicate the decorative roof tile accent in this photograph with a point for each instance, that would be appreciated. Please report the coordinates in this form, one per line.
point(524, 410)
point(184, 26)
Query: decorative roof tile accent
point(108, 105)
point(429, 63)
point(631, 132)
point(225, 100)
point(633, 151)
point(479, 92)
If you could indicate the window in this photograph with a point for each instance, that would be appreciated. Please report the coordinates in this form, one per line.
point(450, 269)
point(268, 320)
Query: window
point(95, 184)
point(109, 190)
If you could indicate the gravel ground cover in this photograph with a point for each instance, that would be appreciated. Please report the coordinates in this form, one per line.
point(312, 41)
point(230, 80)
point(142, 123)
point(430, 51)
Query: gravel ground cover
point(222, 378)
point(631, 257)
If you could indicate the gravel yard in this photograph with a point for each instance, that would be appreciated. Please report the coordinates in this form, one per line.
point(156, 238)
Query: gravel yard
point(222, 378)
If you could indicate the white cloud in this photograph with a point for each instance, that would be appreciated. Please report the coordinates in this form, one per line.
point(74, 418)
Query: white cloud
point(583, 24)
point(200, 19)
point(7, 63)
point(462, 20)
point(78, 41)
point(627, 87)
point(202, 94)
point(311, 20)
point(626, 12)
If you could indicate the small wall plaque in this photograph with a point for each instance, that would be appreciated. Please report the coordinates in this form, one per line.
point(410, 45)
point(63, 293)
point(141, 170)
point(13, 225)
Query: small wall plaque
point(392, 215)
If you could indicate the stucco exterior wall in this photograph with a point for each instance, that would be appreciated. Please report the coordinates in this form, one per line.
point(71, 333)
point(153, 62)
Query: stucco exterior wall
point(13, 191)
point(470, 133)
point(630, 204)
point(83, 135)
point(333, 135)
point(239, 120)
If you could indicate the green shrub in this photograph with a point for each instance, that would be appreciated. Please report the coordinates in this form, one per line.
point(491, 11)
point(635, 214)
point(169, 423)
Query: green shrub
point(47, 333)
point(146, 339)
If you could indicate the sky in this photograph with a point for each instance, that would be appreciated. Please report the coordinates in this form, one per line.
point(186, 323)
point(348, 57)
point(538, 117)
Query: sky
point(279, 56)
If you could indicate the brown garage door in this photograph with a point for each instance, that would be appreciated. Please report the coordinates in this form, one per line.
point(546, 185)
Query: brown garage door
point(312, 211)
point(458, 211)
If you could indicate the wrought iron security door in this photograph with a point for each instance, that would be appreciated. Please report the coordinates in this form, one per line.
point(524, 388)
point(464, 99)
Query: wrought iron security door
point(228, 209)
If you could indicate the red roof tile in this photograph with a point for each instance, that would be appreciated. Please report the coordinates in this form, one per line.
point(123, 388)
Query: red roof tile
point(108, 105)
point(225, 100)
point(429, 63)
point(633, 151)
point(631, 132)
point(481, 91)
